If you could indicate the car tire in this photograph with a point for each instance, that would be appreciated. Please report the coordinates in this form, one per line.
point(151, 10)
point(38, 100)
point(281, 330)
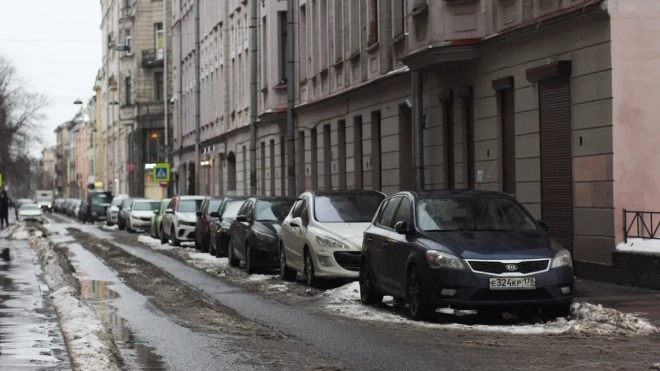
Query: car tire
point(310, 271)
point(108, 222)
point(249, 266)
point(557, 311)
point(234, 262)
point(213, 251)
point(286, 273)
point(163, 238)
point(417, 308)
point(368, 293)
point(175, 241)
point(198, 247)
point(205, 247)
point(120, 226)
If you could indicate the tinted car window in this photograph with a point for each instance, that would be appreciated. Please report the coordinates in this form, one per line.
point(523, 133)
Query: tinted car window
point(297, 209)
point(99, 198)
point(190, 206)
point(403, 214)
point(388, 214)
point(214, 205)
point(116, 201)
point(145, 206)
point(274, 211)
point(231, 209)
point(304, 212)
point(472, 214)
point(348, 208)
point(125, 203)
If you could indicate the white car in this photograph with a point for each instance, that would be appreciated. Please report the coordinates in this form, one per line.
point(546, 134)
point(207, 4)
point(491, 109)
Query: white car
point(180, 219)
point(112, 212)
point(322, 235)
point(30, 212)
point(140, 214)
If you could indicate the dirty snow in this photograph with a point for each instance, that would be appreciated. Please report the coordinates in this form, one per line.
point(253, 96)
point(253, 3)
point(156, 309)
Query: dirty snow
point(587, 318)
point(640, 245)
point(16, 231)
point(154, 243)
point(655, 367)
point(262, 277)
point(106, 227)
point(89, 341)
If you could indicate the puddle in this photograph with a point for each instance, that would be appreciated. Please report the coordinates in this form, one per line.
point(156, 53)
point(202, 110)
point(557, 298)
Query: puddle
point(137, 354)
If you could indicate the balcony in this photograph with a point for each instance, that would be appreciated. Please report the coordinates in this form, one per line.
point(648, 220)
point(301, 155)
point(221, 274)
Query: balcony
point(127, 12)
point(152, 58)
point(150, 115)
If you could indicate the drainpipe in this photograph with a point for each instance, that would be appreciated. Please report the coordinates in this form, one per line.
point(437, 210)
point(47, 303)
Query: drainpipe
point(197, 96)
point(418, 128)
point(180, 98)
point(291, 85)
point(253, 96)
point(166, 105)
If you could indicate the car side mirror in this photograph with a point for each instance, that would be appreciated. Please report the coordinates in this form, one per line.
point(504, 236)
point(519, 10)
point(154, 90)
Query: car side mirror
point(296, 222)
point(215, 214)
point(199, 214)
point(156, 212)
point(169, 211)
point(242, 219)
point(543, 225)
point(401, 227)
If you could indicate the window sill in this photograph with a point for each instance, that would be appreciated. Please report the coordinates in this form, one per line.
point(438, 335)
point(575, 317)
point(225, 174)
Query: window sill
point(303, 82)
point(419, 11)
point(339, 64)
point(398, 38)
point(373, 47)
point(281, 86)
point(355, 56)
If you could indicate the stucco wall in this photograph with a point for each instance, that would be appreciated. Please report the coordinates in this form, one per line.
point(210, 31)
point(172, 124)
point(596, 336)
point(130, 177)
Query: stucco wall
point(635, 81)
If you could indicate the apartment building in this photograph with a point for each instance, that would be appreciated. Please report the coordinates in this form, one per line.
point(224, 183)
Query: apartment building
point(48, 164)
point(134, 93)
point(61, 161)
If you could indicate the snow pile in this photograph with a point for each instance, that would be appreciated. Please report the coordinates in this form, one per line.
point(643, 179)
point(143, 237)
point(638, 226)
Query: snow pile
point(16, 231)
point(640, 245)
point(89, 341)
point(207, 262)
point(655, 367)
point(262, 277)
point(587, 318)
point(106, 227)
point(154, 243)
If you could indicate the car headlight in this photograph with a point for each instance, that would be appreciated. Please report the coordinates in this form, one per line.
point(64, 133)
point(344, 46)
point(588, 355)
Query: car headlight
point(265, 237)
point(330, 243)
point(439, 259)
point(562, 259)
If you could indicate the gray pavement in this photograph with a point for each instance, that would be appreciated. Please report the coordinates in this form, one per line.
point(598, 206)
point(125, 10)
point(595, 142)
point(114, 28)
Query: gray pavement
point(30, 335)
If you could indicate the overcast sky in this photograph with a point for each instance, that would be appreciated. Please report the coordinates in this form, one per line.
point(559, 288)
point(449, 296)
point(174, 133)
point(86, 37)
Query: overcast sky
point(56, 47)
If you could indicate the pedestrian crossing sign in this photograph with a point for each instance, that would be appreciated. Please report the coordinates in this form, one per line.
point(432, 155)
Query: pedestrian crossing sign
point(162, 172)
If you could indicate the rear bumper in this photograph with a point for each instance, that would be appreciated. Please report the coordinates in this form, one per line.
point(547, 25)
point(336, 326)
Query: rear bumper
point(473, 290)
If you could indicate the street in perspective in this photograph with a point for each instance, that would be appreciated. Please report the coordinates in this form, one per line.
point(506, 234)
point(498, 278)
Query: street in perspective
point(329, 185)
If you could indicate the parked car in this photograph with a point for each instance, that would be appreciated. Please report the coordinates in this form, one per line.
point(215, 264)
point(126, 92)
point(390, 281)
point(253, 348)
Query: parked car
point(222, 223)
point(122, 216)
point(97, 204)
point(179, 219)
point(30, 212)
point(140, 213)
point(322, 237)
point(112, 212)
point(58, 204)
point(203, 222)
point(83, 215)
point(72, 208)
point(157, 218)
point(467, 249)
point(254, 234)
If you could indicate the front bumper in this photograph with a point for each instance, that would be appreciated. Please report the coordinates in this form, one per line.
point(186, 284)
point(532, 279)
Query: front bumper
point(473, 290)
point(30, 218)
point(140, 224)
point(185, 232)
point(265, 254)
point(341, 264)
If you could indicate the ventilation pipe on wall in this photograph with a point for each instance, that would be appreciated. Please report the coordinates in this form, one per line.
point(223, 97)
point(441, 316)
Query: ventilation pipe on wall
point(197, 93)
point(254, 17)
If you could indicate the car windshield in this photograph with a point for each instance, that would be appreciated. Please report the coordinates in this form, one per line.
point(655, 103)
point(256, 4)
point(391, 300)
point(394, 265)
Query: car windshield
point(116, 201)
point(164, 203)
point(272, 211)
point(231, 209)
point(190, 206)
point(29, 207)
point(471, 214)
point(44, 200)
point(101, 198)
point(146, 205)
point(214, 205)
point(346, 208)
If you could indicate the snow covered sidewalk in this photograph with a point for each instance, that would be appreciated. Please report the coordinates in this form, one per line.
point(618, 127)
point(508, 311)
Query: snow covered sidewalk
point(89, 341)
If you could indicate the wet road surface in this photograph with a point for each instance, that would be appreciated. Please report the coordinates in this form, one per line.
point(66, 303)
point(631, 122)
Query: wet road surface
point(30, 336)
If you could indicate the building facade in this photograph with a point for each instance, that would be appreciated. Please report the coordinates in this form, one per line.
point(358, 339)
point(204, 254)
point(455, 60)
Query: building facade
point(61, 161)
point(48, 164)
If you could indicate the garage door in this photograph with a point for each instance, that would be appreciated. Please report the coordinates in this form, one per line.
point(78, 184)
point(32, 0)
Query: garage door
point(556, 159)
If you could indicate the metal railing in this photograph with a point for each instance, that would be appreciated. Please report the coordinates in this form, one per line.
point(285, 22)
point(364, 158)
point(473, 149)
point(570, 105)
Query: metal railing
point(152, 58)
point(151, 108)
point(641, 224)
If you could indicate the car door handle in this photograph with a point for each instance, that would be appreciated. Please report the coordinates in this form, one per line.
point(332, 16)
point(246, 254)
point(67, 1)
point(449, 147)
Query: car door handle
point(385, 245)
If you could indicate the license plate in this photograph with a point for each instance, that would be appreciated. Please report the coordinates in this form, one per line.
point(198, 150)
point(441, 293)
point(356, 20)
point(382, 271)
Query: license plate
point(514, 283)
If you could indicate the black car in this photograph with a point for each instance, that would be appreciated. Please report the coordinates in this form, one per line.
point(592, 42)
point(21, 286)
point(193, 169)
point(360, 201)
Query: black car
point(83, 215)
point(223, 218)
point(464, 249)
point(97, 204)
point(255, 232)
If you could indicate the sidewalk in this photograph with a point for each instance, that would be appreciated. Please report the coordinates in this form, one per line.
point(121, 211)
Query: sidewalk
point(622, 298)
point(30, 335)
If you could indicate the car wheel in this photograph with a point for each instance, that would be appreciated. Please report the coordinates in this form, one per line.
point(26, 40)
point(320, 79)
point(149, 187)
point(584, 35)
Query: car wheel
point(557, 311)
point(213, 251)
point(230, 256)
point(286, 273)
point(120, 226)
point(163, 238)
point(368, 293)
point(205, 246)
point(310, 273)
point(249, 267)
point(418, 309)
point(108, 222)
point(128, 227)
point(175, 241)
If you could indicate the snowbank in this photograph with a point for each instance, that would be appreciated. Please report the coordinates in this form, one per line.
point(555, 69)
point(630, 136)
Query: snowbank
point(89, 341)
point(17, 231)
point(640, 245)
point(587, 318)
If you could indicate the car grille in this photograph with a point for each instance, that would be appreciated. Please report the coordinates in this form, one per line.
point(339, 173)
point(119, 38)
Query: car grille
point(496, 267)
point(187, 223)
point(145, 219)
point(348, 260)
point(510, 295)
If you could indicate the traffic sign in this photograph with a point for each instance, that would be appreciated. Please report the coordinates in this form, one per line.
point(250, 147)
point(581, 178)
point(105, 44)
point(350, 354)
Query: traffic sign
point(164, 184)
point(162, 172)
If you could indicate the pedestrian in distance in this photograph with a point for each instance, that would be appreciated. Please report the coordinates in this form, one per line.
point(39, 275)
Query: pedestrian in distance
point(4, 210)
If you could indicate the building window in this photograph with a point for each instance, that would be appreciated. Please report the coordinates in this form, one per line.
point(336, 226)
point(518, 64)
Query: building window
point(127, 91)
point(282, 45)
point(301, 162)
point(272, 167)
point(264, 55)
point(357, 150)
point(341, 144)
point(263, 168)
point(338, 42)
point(127, 39)
point(327, 157)
point(160, 40)
point(398, 18)
point(283, 172)
point(372, 16)
point(323, 28)
point(159, 86)
point(376, 171)
point(302, 44)
point(154, 144)
point(313, 145)
point(355, 27)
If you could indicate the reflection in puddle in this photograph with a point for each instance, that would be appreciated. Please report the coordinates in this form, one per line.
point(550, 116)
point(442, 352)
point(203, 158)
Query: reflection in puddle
point(137, 354)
